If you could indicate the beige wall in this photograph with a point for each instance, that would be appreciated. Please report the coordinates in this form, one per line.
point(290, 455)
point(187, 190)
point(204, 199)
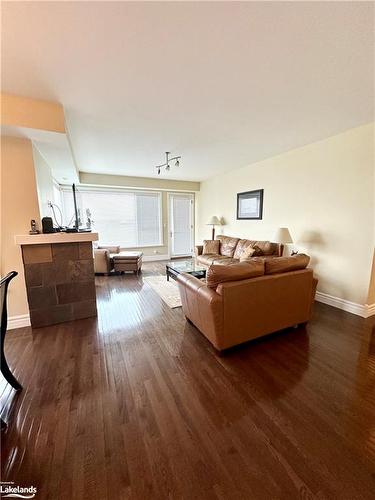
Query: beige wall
point(44, 183)
point(32, 113)
point(324, 193)
point(164, 185)
point(19, 204)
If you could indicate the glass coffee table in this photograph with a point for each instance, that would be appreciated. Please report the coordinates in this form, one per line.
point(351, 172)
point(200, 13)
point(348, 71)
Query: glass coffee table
point(174, 268)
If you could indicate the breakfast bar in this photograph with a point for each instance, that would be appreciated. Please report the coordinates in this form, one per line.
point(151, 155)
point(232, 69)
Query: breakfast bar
point(59, 276)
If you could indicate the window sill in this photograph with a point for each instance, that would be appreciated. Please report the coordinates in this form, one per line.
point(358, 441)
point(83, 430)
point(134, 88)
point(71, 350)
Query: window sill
point(160, 245)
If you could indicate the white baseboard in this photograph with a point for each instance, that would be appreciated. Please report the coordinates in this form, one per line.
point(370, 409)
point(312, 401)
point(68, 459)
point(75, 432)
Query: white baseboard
point(153, 258)
point(18, 321)
point(360, 310)
point(370, 310)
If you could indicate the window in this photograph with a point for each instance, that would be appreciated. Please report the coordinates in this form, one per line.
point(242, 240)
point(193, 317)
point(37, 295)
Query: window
point(126, 218)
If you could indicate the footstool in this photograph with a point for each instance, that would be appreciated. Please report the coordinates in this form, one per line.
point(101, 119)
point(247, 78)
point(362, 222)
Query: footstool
point(127, 261)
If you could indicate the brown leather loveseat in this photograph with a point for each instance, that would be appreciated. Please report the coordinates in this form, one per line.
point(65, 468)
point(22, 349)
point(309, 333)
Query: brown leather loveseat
point(230, 250)
point(244, 301)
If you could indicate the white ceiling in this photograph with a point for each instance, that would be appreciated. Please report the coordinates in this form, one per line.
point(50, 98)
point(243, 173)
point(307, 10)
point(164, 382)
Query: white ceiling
point(223, 84)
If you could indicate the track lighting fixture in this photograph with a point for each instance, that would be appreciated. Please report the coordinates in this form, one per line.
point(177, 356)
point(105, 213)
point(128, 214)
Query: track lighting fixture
point(166, 165)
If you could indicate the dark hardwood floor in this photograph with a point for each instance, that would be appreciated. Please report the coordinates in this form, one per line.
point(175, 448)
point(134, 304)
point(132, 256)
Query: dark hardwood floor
point(135, 404)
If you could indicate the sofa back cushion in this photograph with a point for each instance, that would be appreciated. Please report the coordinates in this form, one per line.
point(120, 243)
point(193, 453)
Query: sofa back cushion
point(211, 246)
point(266, 247)
point(227, 245)
point(285, 264)
point(217, 274)
point(261, 248)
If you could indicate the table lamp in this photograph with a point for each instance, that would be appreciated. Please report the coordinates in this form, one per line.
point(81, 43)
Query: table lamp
point(283, 237)
point(214, 221)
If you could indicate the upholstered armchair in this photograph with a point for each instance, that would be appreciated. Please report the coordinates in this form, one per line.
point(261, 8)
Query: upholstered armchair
point(103, 263)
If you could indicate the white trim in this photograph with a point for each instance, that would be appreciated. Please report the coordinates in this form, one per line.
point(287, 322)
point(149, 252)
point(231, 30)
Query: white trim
point(370, 310)
point(18, 321)
point(152, 258)
point(352, 307)
point(131, 188)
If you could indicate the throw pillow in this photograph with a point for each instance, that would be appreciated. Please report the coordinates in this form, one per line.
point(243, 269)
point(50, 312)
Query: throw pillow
point(211, 246)
point(257, 251)
point(217, 274)
point(247, 254)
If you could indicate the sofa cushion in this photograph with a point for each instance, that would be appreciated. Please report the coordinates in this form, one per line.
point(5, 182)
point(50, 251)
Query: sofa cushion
point(209, 259)
point(217, 274)
point(285, 264)
point(221, 260)
point(247, 254)
point(263, 247)
point(211, 246)
point(227, 245)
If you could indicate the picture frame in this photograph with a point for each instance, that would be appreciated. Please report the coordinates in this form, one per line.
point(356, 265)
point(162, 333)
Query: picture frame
point(250, 205)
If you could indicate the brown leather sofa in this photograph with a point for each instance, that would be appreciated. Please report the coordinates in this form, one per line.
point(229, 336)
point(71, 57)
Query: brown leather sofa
point(232, 248)
point(278, 296)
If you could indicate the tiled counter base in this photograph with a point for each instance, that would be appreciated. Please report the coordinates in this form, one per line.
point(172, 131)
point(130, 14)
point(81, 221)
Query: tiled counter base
point(60, 282)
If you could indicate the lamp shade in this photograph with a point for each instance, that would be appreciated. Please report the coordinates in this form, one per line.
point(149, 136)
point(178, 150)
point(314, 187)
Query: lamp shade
point(214, 221)
point(283, 235)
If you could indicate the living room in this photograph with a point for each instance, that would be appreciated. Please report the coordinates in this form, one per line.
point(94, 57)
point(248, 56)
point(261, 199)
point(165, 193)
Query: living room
point(188, 250)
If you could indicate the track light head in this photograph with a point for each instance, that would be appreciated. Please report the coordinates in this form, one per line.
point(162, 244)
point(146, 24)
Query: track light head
point(167, 165)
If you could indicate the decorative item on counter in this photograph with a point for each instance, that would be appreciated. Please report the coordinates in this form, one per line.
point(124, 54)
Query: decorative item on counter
point(89, 220)
point(47, 225)
point(34, 229)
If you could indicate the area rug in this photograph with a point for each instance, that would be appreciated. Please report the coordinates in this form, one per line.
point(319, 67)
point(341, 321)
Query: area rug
point(167, 290)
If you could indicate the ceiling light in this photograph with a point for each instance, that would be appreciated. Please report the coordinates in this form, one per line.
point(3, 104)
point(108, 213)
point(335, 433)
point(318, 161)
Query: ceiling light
point(166, 165)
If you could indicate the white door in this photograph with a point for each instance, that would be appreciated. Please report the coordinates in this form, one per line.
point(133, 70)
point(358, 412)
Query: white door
point(181, 224)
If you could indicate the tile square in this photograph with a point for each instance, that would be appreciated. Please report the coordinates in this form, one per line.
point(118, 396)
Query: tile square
point(34, 254)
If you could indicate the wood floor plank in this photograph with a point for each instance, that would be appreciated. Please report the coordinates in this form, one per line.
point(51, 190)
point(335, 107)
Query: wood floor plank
point(135, 404)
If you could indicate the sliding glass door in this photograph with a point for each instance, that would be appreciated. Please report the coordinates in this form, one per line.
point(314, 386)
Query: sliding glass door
point(181, 224)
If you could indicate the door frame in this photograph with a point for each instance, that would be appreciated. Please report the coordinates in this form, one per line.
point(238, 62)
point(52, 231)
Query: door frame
point(191, 196)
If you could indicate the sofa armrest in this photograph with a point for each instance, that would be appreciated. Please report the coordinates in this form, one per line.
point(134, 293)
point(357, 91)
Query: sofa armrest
point(198, 250)
point(203, 306)
point(313, 292)
point(196, 285)
point(110, 248)
point(102, 261)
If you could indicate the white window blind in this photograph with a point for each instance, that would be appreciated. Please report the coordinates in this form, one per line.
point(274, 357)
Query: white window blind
point(126, 218)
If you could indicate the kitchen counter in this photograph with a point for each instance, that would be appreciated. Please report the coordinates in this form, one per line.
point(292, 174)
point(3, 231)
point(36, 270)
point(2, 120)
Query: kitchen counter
point(59, 276)
point(40, 239)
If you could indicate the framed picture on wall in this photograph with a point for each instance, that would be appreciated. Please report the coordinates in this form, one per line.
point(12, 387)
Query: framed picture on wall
point(250, 204)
